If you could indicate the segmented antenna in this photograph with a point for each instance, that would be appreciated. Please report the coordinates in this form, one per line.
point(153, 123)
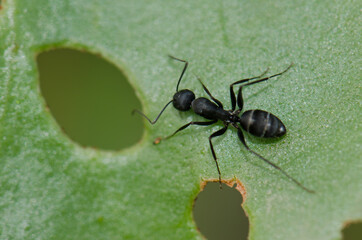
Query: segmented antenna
point(158, 116)
point(183, 71)
point(163, 109)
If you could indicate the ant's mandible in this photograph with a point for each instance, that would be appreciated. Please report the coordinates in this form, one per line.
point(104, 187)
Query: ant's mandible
point(256, 122)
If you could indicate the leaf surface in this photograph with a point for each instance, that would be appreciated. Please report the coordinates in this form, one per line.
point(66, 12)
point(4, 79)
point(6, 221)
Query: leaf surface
point(52, 188)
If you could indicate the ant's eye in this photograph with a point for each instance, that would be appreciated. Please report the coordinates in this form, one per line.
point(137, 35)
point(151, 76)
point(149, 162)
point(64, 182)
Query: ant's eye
point(182, 99)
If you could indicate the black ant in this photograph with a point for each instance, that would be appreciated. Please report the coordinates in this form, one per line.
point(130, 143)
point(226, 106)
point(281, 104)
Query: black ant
point(256, 122)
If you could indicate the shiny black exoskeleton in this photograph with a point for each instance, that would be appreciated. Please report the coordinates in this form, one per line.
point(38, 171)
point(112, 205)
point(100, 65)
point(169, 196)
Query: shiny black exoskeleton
point(256, 122)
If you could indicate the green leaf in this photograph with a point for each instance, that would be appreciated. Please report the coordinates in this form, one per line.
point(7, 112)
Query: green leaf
point(52, 188)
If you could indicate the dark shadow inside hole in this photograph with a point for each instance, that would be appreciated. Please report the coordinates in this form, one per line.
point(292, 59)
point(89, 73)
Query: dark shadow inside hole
point(90, 99)
point(218, 213)
point(352, 231)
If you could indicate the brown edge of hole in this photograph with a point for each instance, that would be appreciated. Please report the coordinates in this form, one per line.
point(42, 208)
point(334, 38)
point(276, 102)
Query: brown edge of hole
point(348, 231)
point(230, 182)
point(349, 222)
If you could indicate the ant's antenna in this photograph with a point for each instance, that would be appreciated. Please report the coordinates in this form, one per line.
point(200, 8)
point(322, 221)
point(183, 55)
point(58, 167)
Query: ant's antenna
point(183, 71)
point(158, 116)
point(163, 109)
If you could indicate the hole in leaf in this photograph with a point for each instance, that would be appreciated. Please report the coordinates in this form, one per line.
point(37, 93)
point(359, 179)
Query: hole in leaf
point(352, 231)
point(218, 213)
point(90, 98)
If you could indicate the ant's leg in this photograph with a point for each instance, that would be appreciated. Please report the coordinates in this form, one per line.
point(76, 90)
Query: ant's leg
point(232, 94)
point(215, 134)
point(242, 139)
point(208, 93)
point(183, 71)
point(240, 100)
point(158, 116)
point(157, 140)
point(267, 78)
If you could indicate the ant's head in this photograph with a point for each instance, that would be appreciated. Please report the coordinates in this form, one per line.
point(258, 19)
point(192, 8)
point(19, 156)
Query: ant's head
point(182, 99)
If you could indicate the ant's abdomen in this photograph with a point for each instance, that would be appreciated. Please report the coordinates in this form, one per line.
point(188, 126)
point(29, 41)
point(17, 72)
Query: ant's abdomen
point(262, 124)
